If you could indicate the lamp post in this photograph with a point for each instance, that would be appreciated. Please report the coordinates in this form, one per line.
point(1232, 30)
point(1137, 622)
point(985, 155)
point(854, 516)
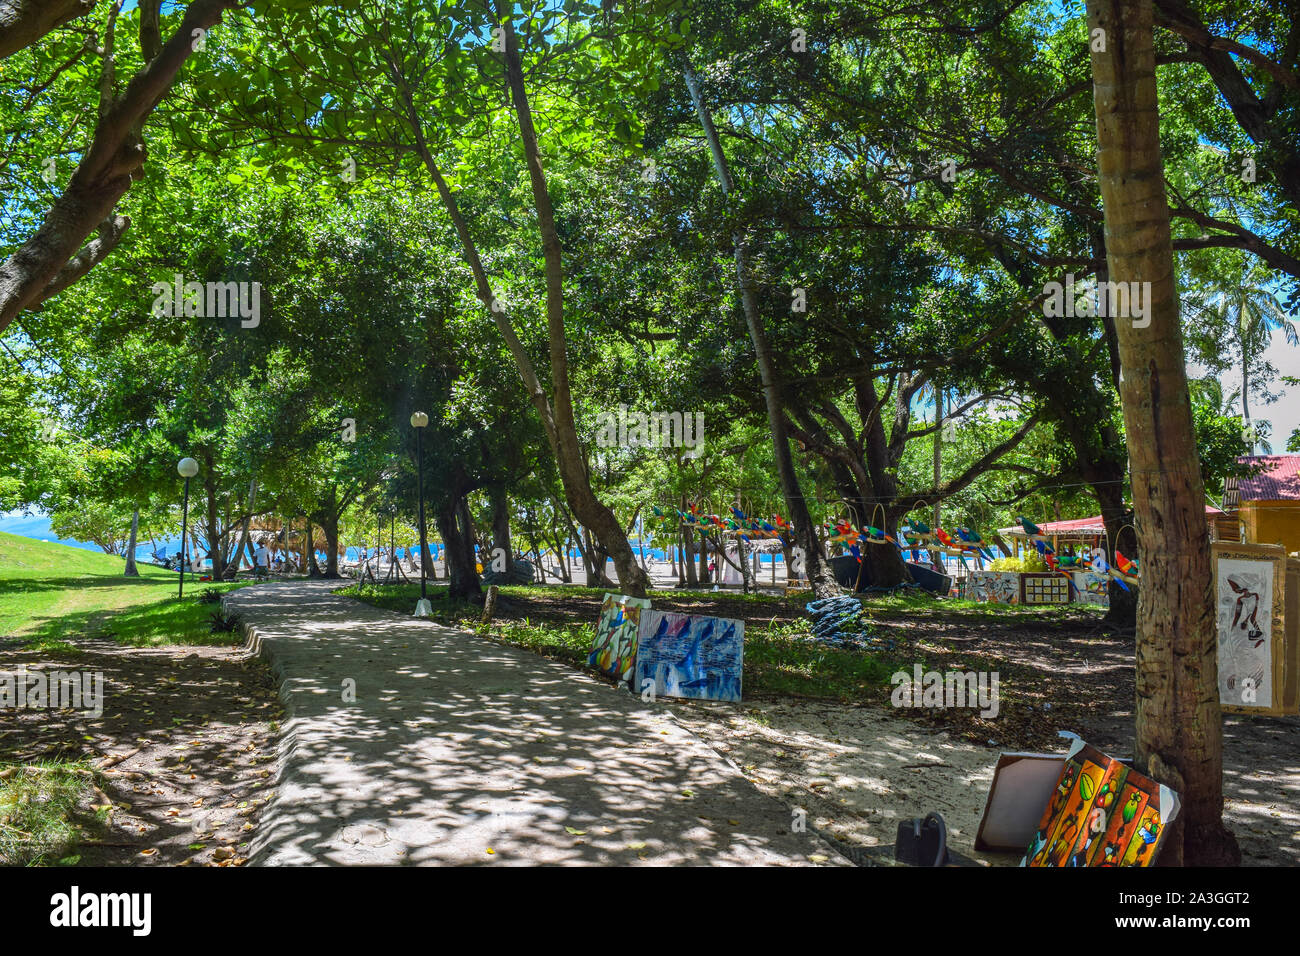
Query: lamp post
point(187, 468)
point(419, 421)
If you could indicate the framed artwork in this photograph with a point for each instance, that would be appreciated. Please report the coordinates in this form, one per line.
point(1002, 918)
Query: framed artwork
point(613, 649)
point(1044, 588)
point(1250, 606)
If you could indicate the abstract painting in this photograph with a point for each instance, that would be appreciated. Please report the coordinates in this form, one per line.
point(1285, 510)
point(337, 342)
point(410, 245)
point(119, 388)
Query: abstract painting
point(681, 655)
point(1249, 596)
point(996, 587)
point(613, 650)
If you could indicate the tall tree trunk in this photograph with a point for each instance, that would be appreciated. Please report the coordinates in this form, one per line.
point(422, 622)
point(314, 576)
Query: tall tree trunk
point(313, 569)
point(501, 525)
point(215, 551)
point(592, 512)
point(688, 558)
point(463, 580)
point(131, 570)
point(556, 410)
point(1245, 390)
point(467, 535)
point(936, 556)
point(329, 525)
point(1179, 724)
point(819, 575)
point(746, 568)
point(243, 548)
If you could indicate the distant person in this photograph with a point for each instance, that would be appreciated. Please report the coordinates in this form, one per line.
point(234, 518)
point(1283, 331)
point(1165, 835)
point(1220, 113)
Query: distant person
point(261, 560)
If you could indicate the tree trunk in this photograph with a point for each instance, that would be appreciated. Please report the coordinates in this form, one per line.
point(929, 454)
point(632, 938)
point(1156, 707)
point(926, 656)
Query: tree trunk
point(1179, 724)
point(746, 569)
point(463, 580)
point(688, 558)
point(215, 552)
point(593, 513)
point(313, 569)
point(501, 526)
point(819, 575)
point(1245, 390)
point(330, 526)
point(243, 548)
point(131, 570)
point(467, 535)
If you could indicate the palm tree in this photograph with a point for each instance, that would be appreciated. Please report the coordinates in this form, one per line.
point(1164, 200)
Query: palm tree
point(1247, 313)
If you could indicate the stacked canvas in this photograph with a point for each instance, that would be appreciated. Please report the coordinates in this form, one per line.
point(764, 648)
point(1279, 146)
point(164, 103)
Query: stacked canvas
point(1083, 809)
point(668, 654)
point(1101, 813)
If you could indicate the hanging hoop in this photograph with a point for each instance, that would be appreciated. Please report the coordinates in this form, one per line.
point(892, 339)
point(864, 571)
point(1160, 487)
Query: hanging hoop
point(883, 517)
point(1114, 545)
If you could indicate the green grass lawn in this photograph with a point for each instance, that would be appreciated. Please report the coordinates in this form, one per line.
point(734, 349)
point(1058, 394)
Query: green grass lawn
point(51, 594)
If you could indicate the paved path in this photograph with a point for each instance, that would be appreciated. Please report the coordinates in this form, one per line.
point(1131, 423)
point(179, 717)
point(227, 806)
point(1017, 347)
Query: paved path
point(456, 746)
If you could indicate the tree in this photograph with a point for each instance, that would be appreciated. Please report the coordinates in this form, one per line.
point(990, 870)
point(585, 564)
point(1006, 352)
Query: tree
point(54, 257)
point(1179, 724)
point(1243, 309)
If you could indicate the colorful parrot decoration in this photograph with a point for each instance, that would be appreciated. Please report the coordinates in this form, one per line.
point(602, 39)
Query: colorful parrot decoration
point(876, 536)
point(973, 538)
point(1124, 570)
point(1035, 533)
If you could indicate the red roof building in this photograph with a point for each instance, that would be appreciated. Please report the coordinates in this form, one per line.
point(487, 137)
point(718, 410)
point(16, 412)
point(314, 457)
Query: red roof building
point(1268, 502)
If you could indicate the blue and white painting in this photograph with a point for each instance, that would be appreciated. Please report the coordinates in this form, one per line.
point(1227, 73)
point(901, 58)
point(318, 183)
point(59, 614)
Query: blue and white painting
point(682, 655)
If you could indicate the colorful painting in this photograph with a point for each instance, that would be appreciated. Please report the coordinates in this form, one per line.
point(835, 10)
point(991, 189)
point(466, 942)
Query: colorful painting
point(1091, 587)
point(613, 650)
point(1249, 589)
point(995, 587)
point(681, 655)
point(1102, 813)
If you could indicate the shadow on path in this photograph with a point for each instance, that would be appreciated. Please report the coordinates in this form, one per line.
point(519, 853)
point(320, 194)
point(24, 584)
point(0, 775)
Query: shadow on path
point(456, 746)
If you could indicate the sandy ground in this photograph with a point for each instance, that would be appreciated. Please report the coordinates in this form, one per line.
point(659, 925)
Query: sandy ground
point(184, 748)
point(858, 770)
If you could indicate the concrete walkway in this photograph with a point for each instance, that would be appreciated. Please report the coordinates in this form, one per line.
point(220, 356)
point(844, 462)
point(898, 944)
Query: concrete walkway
point(460, 750)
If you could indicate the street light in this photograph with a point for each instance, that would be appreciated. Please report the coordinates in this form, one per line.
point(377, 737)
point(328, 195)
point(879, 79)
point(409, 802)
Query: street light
point(419, 421)
point(187, 468)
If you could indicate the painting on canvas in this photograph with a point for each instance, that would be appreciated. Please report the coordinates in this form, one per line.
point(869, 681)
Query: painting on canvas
point(613, 650)
point(682, 655)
